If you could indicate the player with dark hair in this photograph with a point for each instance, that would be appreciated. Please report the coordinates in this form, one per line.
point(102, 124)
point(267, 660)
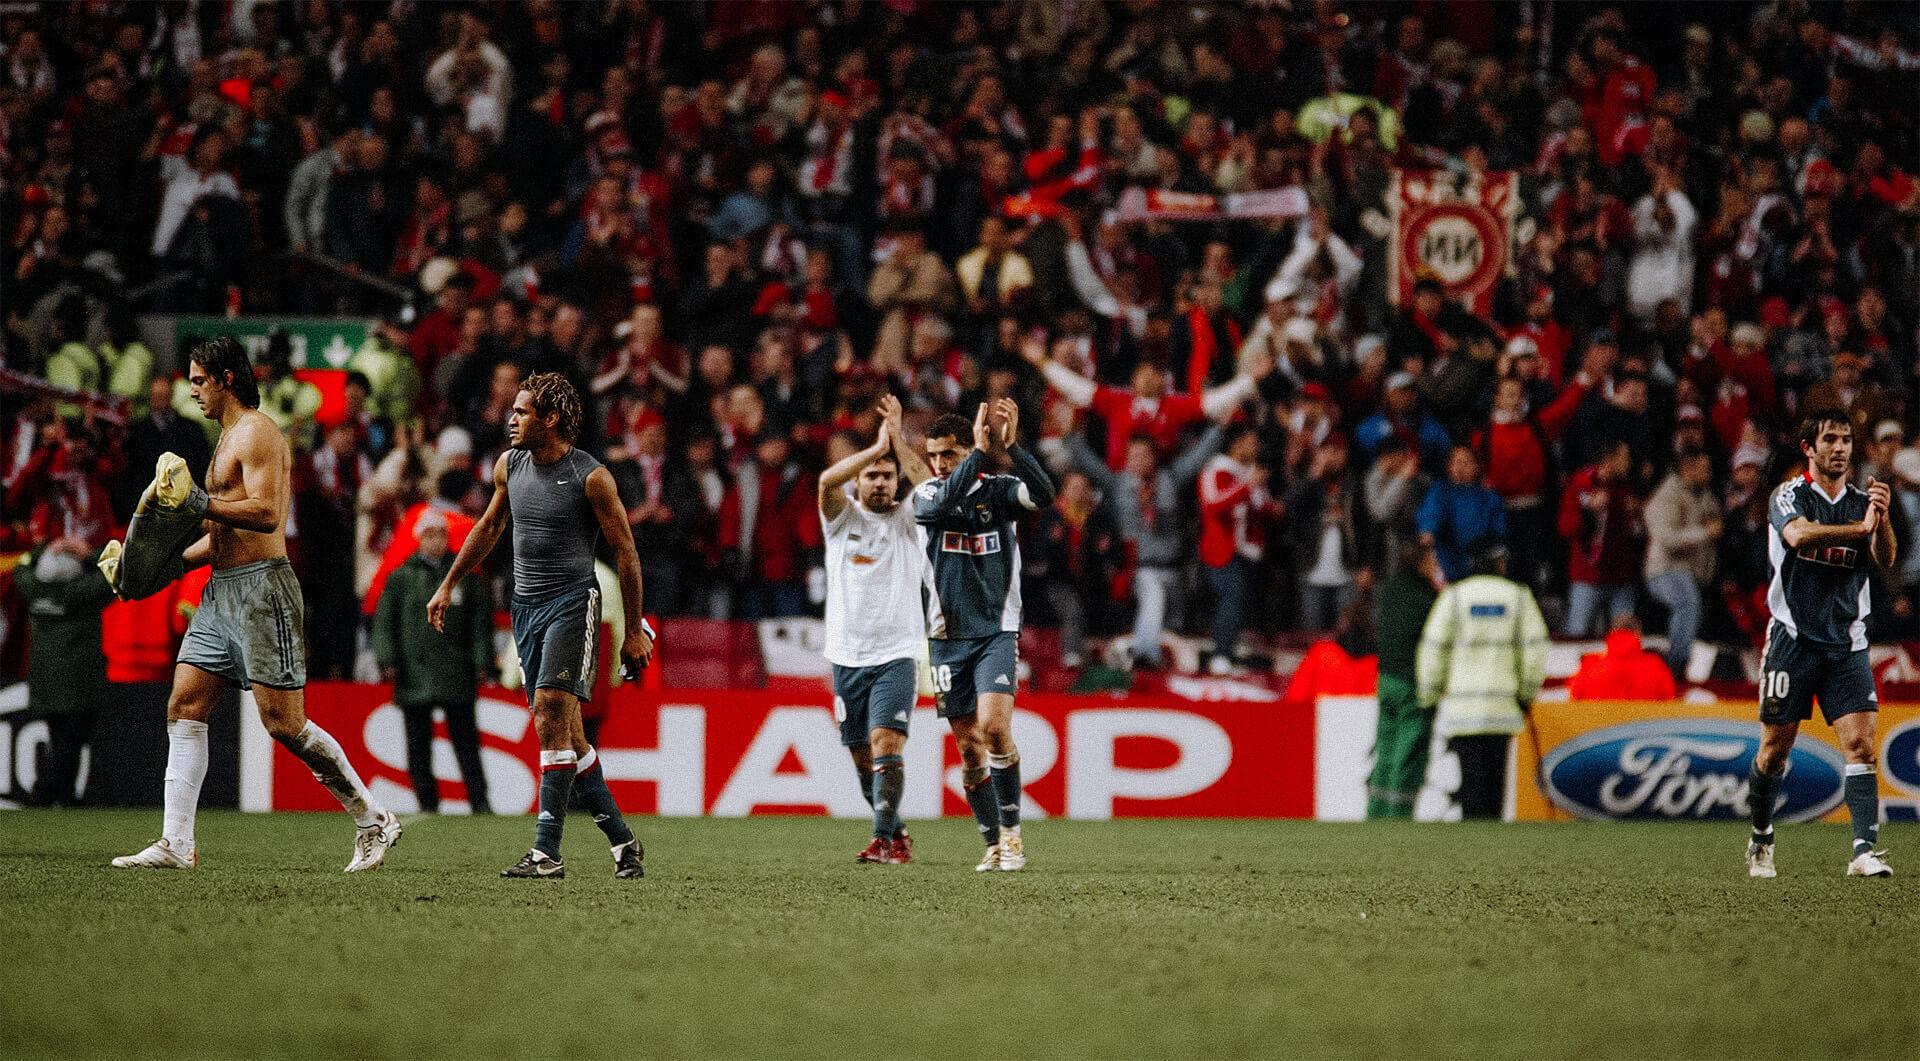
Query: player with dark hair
point(973, 608)
point(560, 501)
point(247, 631)
point(875, 627)
point(1820, 530)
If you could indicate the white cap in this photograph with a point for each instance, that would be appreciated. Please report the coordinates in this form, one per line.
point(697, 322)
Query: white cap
point(431, 519)
point(454, 442)
point(1399, 380)
point(1299, 330)
point(1367, 344)
point(1522, 344)
point(1906, 465)
point(435, 274)
point(1750, 333)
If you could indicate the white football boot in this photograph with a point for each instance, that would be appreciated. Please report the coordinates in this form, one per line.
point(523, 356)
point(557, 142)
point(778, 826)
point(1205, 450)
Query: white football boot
point(1013, 852)
point(1759, 860)
point(159, 855)
point(991, 860)
point(1869, 864)
point(371, 844)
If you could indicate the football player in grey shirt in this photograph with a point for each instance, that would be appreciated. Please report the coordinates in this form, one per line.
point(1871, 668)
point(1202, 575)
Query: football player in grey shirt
point(560, 500)
point(968, 513)
point(1822, 533)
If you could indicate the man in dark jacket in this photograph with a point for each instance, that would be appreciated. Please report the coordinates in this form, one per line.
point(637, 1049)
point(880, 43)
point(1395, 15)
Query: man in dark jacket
point(1405, 731)
point(67, 670)
point(1324, 552)
point(162, 430)
point(430, 670)
point(664, 507)
point(769, 531)
point(1076, 552)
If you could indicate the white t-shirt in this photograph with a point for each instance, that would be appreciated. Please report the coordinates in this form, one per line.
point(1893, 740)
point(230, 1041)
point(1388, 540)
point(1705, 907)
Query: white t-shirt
point(876, 569)
point(1329, 567)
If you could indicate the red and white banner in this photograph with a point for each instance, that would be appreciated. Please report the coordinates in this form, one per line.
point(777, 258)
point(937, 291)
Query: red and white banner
point(1455, 228)
point(738, 753)
point(1153, 204)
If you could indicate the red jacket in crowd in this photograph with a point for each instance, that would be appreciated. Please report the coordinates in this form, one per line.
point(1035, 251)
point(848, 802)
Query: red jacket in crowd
point(1233, 512)
point(1603, 546)
point(785, 523)
point(1515, 454)
point(1625, 95)
point(1552, 339)
point(1162, 419)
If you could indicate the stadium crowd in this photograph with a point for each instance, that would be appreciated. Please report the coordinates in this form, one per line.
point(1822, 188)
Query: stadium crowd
point(734, 225)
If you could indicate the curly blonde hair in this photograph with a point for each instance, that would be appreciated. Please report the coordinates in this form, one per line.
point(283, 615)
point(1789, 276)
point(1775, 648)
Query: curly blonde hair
point(549, 392)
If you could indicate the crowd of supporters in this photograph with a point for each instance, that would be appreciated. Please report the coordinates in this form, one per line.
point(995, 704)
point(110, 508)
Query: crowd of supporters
point(734, 225)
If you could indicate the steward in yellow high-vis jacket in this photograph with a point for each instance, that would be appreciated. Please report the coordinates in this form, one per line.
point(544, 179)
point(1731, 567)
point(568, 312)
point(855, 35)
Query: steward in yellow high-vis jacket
point(1482, 659)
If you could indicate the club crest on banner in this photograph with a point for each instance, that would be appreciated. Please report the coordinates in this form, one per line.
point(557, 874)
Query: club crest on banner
point(1455, 228)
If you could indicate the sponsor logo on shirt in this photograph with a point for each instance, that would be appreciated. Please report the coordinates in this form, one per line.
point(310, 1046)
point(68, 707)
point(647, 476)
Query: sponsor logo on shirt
point(1487, 611)
point(861, 559)
point(971, 544)
point(1831, 555)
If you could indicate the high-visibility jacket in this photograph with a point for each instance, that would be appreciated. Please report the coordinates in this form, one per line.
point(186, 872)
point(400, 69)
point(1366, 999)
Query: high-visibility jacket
point(1483, 654)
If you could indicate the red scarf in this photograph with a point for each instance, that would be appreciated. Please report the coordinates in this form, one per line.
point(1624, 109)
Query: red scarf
point(1427, 325)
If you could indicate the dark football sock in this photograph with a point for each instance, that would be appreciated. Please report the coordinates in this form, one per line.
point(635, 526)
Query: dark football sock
point(1762, 791)
point(556, 785)
point(865, 777)
point(590, 787)
point(986, 812)
point(1863, 805)
point(1006, 787)
point(889, 778)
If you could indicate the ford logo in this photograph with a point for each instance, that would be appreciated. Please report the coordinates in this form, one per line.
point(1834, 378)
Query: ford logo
point(1689, 768)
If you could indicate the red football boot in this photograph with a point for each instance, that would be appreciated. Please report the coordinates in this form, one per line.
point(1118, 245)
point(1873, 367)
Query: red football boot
point(877, 850)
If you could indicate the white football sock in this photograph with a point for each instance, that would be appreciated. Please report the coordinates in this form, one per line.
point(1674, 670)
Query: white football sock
point(186, 769)
point(322, 754)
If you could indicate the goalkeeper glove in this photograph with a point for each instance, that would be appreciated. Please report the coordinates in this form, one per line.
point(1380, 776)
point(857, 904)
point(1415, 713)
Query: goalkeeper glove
point(109, 565)
point(173, 486)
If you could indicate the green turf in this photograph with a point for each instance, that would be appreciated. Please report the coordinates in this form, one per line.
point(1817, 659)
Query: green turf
point(762, 938)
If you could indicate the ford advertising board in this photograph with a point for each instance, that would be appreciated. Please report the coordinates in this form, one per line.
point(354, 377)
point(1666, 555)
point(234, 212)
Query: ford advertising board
point(1684, 768)
point(1665, 760)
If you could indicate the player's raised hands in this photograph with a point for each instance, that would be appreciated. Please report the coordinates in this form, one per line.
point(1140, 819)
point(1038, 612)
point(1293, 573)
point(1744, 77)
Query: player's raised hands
point(987, 426)
point(1009, 411)
point(1878, 500)
point(890, 415)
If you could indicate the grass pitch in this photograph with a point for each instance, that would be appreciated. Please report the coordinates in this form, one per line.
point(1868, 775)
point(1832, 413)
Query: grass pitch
point(762, 938)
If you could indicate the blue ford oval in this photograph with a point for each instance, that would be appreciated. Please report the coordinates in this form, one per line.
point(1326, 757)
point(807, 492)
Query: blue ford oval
point(1685, 768)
